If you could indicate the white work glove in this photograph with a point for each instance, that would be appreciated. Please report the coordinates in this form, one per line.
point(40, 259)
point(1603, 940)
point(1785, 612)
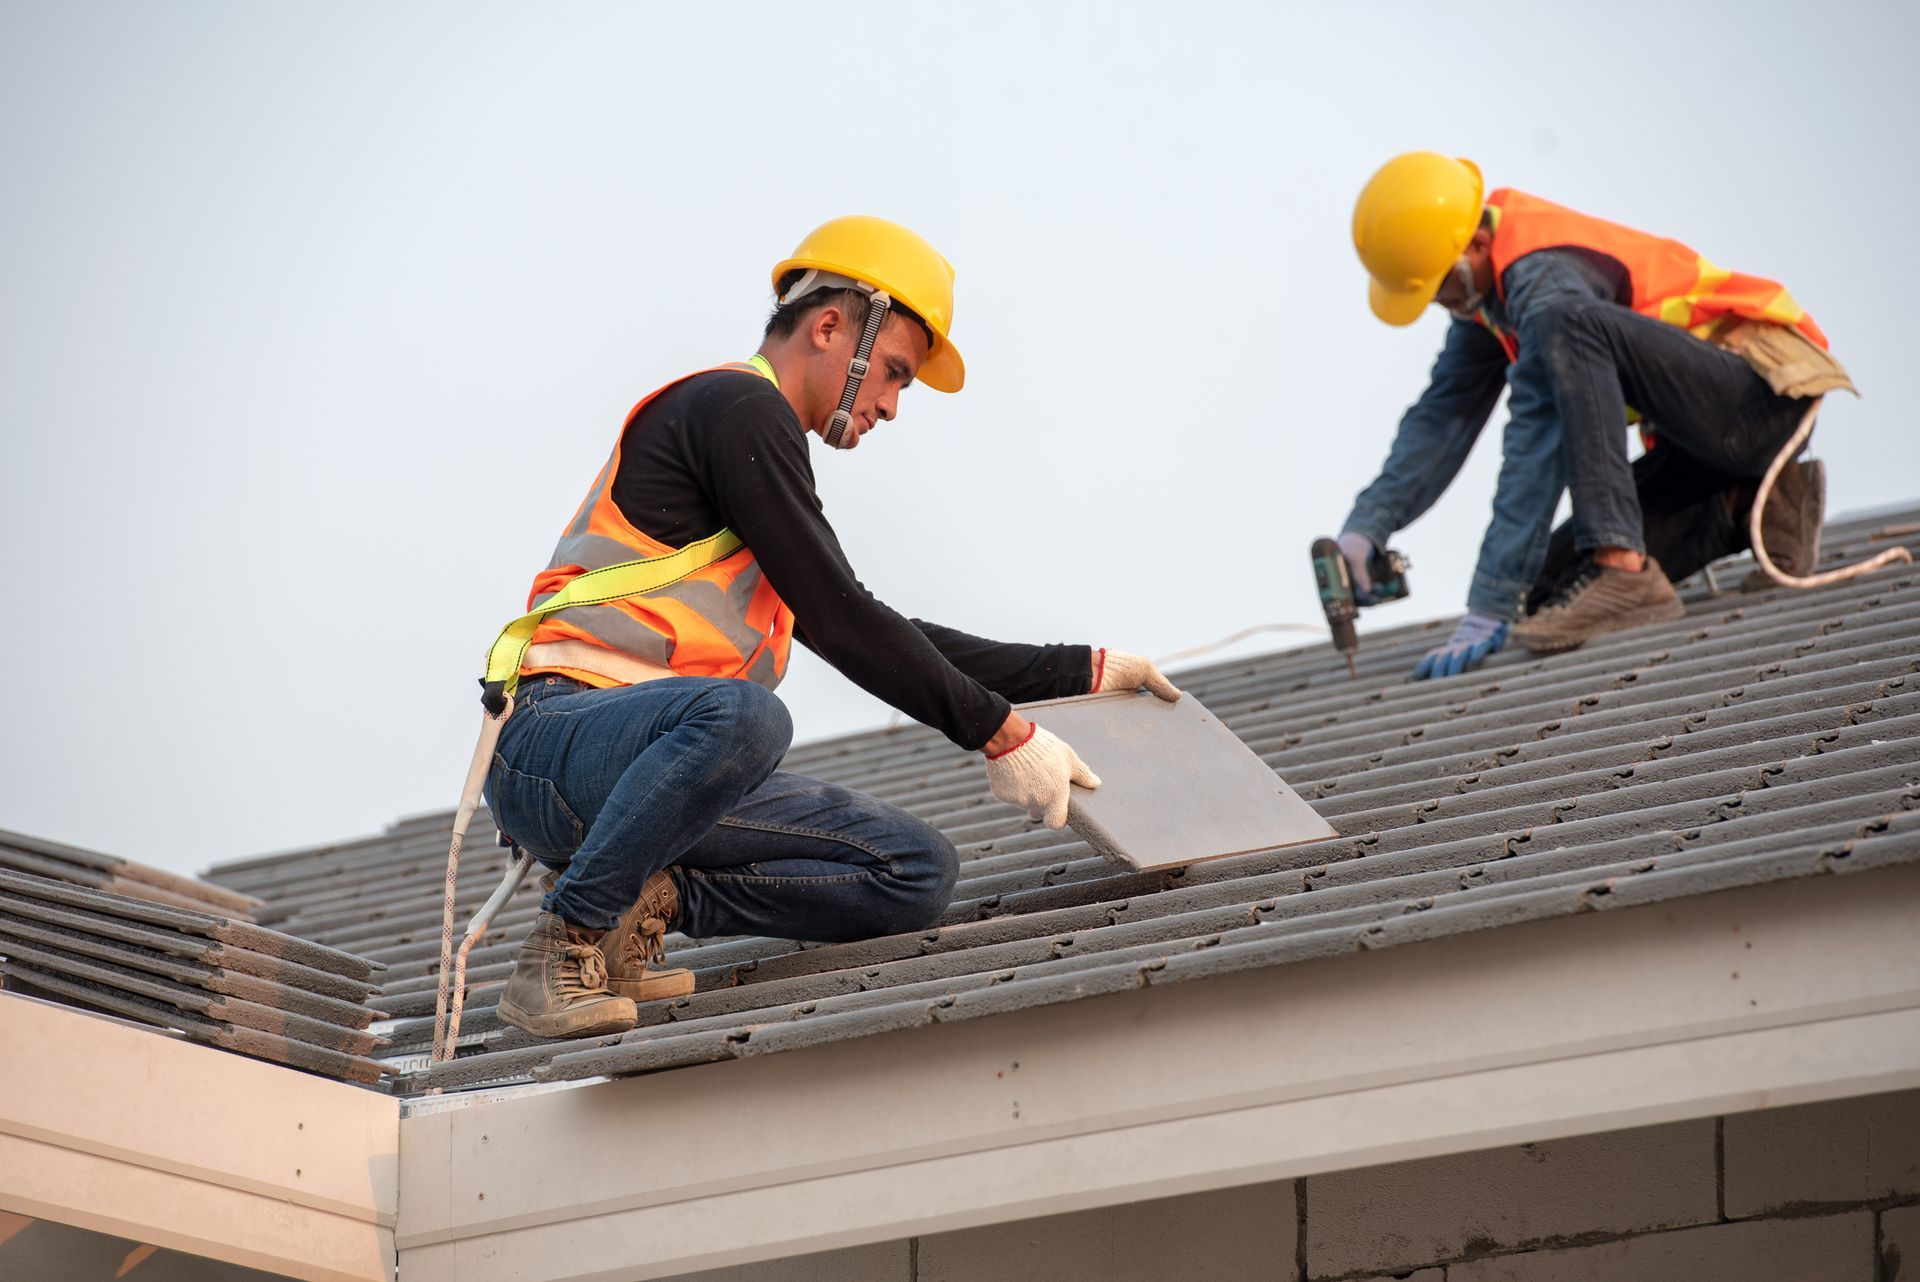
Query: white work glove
point(1118, 670)
point(1035, 775)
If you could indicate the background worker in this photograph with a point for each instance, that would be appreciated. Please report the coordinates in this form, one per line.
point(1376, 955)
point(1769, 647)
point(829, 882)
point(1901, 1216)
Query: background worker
point(1580, 318)
point(639, 761)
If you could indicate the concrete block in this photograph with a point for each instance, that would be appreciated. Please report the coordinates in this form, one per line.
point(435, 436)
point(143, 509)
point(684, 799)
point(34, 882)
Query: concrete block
point(1834, 1248)
point(1231, 1235)
point(1900, 1245)
point(1843, 1152)
point(1418, 1275)
point(1176, 786)
point(884, 1262)
point(1389, 1218)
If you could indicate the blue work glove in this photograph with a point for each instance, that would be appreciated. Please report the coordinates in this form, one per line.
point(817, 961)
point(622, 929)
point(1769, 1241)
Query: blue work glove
point(1478, 636)
point(1358, 549)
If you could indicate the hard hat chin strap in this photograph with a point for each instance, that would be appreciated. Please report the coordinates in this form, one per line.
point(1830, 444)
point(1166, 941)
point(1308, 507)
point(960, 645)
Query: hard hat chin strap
point(878, 304)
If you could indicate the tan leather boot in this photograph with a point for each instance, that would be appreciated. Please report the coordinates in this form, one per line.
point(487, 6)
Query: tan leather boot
point(638, 942)
point(1790, 525)
point(559, 984)
point(1596, 600)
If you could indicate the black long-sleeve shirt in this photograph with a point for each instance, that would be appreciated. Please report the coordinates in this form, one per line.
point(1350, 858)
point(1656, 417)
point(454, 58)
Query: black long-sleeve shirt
point(725, 450)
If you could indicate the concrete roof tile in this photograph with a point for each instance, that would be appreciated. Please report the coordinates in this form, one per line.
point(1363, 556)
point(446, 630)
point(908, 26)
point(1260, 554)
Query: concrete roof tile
point(1766, 735)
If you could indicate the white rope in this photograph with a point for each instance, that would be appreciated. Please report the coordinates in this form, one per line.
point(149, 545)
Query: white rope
point(447, 1003)
point(1774, 572)
point(1241, 635)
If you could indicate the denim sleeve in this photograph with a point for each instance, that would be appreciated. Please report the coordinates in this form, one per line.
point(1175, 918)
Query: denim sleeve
point(1435, 434)
point(1532, 473)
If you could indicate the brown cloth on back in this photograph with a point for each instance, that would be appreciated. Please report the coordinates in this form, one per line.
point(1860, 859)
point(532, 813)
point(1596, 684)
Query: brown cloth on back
point(1791, 364)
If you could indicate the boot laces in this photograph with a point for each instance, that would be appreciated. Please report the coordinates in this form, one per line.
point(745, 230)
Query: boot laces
point(645, 946)
point(1583, 577)
point(583, 970)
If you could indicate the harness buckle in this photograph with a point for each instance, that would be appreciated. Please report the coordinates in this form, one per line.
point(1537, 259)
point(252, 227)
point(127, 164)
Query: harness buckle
point(493, 697)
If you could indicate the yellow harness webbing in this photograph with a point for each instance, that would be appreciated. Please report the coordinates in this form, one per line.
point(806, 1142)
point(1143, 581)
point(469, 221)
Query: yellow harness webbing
point(596, 587)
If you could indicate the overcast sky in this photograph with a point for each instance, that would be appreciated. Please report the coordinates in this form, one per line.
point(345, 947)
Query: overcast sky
point(316, 321)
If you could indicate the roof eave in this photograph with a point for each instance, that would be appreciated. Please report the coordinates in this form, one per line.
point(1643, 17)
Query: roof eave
point(1773, 994)
point(113, 1127)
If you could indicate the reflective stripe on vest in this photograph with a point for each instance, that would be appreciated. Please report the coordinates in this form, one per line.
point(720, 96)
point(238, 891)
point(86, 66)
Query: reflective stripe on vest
point(704, 610)
point(1669, 281)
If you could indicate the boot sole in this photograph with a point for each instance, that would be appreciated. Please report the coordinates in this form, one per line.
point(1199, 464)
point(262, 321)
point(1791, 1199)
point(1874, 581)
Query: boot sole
point(561, 1025)
point(655, 987)
point(1555, 642)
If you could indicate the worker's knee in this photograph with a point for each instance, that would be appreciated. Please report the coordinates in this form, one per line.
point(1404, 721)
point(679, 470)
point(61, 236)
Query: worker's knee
point(1573, 336)
point(1564, 322)
point(756, 725)
point(924, 867)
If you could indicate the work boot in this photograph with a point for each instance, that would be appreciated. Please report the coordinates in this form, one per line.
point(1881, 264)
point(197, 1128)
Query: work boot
point(639, 940)
point(1598, 599)
point(559, 984)
point(1790, 525)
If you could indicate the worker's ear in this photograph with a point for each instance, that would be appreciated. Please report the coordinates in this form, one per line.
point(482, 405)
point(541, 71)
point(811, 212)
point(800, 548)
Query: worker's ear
point(828, 323)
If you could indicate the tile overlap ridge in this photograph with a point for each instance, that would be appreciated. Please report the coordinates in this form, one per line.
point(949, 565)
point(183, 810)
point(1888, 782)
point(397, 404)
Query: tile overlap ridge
point(229, 983)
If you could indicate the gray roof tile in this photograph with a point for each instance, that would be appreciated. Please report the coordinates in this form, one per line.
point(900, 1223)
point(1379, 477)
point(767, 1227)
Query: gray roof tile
point(234, 984)
point(1765, 736)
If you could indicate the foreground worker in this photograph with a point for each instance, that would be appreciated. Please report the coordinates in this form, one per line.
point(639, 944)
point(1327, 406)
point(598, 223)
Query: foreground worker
point(639, 760)
point(1580, 319)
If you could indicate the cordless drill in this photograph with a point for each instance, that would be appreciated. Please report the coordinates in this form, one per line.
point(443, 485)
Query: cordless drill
point(1387, 569)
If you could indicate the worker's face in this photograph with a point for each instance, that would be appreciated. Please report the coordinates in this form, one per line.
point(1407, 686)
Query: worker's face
point(1466, 285)
point(897, 355)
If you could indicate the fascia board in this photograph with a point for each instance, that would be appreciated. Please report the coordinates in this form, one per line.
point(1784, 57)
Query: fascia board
point(128, 1131)
point(1758, 997)
point(1800, 1064)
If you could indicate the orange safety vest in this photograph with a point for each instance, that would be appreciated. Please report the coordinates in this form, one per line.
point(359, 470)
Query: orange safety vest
point(1669, 281)
point(724, 620)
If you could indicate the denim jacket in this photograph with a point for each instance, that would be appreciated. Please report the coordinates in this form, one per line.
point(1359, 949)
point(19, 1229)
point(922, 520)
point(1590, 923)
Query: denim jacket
point(1439, 430)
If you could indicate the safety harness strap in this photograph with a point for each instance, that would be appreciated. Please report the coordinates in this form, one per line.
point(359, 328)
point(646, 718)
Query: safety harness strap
point(595, 587)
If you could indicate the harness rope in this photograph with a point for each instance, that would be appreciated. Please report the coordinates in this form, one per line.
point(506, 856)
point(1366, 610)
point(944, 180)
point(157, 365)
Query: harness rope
point(1799, 438)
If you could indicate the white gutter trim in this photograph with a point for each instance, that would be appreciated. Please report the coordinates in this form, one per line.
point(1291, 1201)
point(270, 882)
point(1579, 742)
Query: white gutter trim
point(1776, 994)
point(116, 1128)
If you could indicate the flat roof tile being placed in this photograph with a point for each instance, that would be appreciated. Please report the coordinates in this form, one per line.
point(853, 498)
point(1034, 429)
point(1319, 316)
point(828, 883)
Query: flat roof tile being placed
point(1766, 736)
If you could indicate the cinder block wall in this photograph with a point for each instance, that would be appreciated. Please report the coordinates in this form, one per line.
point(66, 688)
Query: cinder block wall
point(1819, 1193)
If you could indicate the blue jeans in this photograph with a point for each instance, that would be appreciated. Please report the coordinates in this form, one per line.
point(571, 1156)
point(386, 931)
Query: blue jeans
point(1697, 398)
point(612, 786)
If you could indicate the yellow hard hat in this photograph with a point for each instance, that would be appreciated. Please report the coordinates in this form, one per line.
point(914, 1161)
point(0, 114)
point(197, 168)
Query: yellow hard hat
point(890, 257)
point(1410, 225)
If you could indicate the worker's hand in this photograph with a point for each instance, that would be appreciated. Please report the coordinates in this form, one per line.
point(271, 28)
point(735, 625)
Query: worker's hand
point(1118, 670)
point(1477, 636)
point(1035, 774)
point(1358, 549)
